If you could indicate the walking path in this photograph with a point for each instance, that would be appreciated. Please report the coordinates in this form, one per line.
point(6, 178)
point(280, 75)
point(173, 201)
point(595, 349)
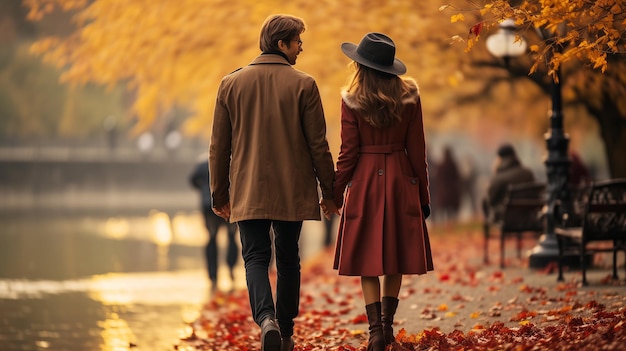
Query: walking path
point(463, 302)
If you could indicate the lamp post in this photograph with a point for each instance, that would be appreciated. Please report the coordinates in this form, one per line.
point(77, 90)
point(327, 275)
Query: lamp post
point(503, 44)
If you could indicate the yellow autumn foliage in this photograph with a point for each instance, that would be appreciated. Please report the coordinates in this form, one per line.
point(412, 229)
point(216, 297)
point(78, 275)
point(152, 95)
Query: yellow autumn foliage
point(174, 52)
point(573, 30)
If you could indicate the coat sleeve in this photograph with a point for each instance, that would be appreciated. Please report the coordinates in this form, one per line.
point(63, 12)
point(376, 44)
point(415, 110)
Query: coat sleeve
point(349, 152)
point(314, 129)
point(220, 151)
point(416, 151)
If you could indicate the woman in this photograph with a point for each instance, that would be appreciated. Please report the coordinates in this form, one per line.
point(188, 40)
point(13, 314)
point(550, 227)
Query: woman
point(382, 162)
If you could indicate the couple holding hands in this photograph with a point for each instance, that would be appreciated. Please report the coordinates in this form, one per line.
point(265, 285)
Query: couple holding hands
point(269, 153)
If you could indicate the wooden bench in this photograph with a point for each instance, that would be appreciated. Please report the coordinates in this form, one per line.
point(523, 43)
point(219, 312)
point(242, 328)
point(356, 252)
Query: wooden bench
point(603, 219)
point(522, 214)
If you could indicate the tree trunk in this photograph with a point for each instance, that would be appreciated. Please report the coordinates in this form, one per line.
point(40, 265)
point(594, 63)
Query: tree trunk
point(613, 133)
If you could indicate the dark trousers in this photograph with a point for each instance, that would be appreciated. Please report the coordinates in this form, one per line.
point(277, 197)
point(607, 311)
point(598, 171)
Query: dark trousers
point(213, 223)
point(256, 248)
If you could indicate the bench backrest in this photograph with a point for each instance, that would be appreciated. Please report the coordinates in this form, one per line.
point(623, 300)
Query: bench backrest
point(604, 217)
point(522, 207)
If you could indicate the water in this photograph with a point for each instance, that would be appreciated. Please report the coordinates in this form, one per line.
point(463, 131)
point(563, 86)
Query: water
point(99, 283)
point(107, 283)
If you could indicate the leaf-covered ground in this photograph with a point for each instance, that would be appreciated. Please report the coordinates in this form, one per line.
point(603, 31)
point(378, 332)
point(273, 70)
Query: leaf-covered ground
point(462, 305)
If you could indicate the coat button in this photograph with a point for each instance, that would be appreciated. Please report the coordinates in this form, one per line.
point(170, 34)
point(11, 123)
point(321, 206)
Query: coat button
point(380, 172)
point(413, 181)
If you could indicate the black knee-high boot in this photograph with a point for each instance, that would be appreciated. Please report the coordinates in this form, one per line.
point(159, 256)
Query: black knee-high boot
point(388, 310)
point(376, 340)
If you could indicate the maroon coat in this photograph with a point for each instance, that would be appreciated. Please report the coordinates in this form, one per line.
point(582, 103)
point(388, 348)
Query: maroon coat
point(382, 228)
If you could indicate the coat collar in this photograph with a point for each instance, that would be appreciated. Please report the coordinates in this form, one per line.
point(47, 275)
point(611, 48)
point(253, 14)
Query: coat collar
point(269, 58)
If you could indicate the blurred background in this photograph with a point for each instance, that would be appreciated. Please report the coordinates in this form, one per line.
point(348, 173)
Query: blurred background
point(100, 231)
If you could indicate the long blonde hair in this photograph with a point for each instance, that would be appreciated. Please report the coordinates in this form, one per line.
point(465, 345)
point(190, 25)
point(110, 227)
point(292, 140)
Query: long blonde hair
point(378, 97)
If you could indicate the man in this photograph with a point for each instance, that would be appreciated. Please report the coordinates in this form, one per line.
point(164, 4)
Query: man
point(199, 179)
point(507, 170)
point(268, 150)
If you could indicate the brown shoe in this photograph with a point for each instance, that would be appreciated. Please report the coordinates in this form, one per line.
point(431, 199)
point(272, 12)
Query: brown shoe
point(270, 335)
point(287, 344)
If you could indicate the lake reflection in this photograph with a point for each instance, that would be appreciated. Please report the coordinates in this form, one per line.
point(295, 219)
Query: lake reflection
point(89, 283)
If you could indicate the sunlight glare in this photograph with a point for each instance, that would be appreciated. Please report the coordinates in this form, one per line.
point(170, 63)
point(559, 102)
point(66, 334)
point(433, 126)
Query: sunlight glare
point(162, 228)
point(116, 334)
point(189, 229)
point(116, 228)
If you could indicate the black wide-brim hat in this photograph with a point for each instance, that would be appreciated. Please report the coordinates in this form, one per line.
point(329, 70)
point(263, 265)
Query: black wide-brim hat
point(376, 51)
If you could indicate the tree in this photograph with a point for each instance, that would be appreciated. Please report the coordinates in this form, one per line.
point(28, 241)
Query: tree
point(590, 36)
point(174, 53)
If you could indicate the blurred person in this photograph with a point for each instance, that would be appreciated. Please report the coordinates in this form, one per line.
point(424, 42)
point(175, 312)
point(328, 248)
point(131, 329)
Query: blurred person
point(469, 180)
point(579, 175)
point(447, 200)
point(382, 162)
point(200, 180)
point(268, 152)
point(507, 169)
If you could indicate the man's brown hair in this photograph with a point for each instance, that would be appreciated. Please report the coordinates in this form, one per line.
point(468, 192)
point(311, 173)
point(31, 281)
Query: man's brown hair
point(279, 27)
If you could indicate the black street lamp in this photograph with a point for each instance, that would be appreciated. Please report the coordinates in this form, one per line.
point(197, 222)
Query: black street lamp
point(557, 167)
point(504, 44)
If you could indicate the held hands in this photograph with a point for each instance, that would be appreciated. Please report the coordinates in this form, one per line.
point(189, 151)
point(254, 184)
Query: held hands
point(328, 207)
point(223, 211)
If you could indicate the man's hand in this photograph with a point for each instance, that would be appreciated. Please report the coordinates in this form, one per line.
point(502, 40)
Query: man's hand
point(328, 207)
point(223, 211)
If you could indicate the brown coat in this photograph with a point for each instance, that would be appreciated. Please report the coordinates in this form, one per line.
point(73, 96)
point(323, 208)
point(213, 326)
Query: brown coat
point(269, 119)
point(382, 228)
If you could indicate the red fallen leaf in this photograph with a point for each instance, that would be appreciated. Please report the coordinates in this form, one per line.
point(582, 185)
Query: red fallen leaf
point(427, 314)
point(459, 297)
point(607, 279)
point(523, 315)
point(593, 304)
point(565, 287)
point(344, 303)
point(344, 311)
point(361, 318)
point(401, 334)
point(576, 322)
point(517, 280)
point(444, 277)
point(550, 268)
point(497, 275)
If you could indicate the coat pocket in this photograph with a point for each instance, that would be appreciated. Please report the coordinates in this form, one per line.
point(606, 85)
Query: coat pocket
point(355, 200)
point(412, 197)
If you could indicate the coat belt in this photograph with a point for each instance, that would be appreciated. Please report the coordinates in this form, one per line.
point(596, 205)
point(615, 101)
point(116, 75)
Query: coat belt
point(381, 149)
